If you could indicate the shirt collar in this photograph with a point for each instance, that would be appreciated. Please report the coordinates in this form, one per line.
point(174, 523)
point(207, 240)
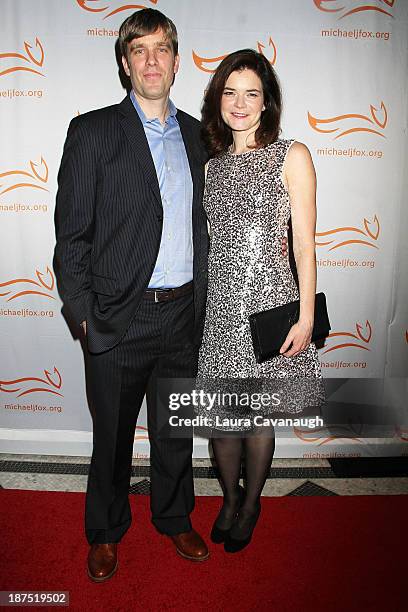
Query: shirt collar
point(171, 107)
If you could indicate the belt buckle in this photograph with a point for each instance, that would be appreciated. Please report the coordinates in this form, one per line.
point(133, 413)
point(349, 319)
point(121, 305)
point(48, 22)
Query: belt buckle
point(156, 299)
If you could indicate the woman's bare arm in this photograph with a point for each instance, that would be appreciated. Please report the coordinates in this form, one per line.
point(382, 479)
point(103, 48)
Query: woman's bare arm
point(300, 179)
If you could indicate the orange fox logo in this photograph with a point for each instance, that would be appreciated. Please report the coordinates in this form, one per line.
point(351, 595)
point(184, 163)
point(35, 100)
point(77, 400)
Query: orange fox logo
point(35, 59)
point(402, 433)
point(337, 234)
point(359, 336)
point(201, 61)
point(39, 173)
point(92, 6)
point(14, 290)
point(345, 432)
point(31, 384)
point(330, 6)
point(377, 119)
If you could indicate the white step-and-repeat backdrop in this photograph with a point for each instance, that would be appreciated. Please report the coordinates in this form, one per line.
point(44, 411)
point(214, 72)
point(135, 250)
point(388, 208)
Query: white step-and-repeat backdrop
point(344, 73)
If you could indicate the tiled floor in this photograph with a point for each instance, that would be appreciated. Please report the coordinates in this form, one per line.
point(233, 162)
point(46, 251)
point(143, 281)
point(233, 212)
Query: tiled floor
point(288, 477)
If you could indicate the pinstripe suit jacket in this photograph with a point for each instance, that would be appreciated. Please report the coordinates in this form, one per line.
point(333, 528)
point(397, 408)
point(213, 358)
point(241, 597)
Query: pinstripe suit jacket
point(109, 218)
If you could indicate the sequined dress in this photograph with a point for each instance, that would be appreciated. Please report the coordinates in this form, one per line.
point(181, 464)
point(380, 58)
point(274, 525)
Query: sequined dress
point(248, 208)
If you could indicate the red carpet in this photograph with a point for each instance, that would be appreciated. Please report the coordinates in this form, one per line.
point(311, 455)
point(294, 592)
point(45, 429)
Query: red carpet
point(308, 553)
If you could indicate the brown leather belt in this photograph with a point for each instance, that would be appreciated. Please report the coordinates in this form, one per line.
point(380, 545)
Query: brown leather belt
point(165, 295)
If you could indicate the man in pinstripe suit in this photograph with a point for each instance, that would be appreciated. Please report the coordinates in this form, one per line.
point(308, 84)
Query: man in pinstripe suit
point(131, 259)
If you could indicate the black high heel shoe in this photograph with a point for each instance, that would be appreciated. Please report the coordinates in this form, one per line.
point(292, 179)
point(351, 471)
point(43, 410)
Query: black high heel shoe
point(218, 535)
point(233, 543)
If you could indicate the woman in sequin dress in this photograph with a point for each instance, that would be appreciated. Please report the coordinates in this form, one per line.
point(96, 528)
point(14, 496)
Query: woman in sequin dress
point(255, 182)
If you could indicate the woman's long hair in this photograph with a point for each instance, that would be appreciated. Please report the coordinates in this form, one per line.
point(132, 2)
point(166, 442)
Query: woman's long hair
point(217, 135)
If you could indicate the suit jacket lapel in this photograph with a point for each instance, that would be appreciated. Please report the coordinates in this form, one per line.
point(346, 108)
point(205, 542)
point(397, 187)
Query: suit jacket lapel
point(133, 128)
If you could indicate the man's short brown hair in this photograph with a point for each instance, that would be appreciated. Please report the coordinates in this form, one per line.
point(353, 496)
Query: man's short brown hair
point(146, 21)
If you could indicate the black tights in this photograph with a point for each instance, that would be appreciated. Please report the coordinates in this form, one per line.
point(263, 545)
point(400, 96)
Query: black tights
point(258, 448)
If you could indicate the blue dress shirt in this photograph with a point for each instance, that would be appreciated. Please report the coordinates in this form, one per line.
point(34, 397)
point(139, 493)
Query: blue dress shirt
point(174, 264)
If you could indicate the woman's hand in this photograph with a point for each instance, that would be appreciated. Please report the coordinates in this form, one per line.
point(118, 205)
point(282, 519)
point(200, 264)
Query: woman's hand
point(300, 336)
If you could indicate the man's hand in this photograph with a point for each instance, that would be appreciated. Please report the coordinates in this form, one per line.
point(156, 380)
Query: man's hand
point(83, 325)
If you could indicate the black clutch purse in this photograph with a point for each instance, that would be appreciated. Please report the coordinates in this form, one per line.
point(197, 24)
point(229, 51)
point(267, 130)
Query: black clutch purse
point(270, 327)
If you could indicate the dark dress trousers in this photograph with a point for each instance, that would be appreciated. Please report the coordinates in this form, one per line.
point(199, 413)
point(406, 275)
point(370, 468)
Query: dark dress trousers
point(108, 223)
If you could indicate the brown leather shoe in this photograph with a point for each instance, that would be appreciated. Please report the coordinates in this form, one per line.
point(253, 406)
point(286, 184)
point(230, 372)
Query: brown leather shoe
point(102, 561)
point(190, 545)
